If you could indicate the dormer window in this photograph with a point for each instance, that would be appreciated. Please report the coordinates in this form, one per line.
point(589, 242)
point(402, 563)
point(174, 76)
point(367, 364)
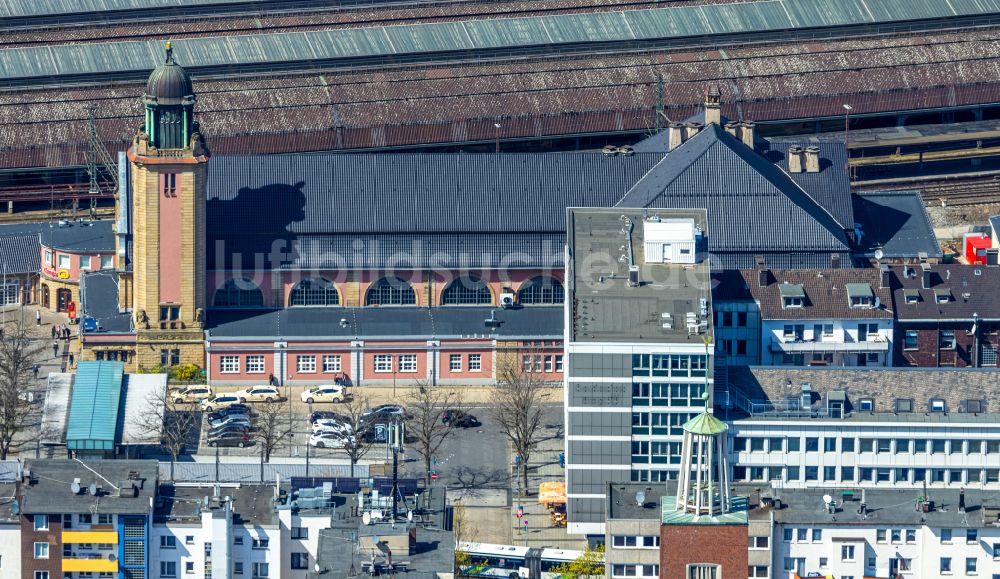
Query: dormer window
point(936, 405)
point(942, 296)
point(866, 404)
point(911, 296)
point(904, 405)
point(860, 295)
point(792, 295)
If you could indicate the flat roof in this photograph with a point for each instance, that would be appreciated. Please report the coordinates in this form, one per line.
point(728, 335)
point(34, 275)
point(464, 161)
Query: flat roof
point(252, 504)
point(58, 386)
point(623, 503)
point(604, 307)
point(80, 236)
point(49, 490)
point(143, 393)
point(94, 407)
point(99, 301)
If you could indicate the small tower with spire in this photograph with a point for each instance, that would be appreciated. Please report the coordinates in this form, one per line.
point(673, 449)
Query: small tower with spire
point(713, 105)
point(703, 484)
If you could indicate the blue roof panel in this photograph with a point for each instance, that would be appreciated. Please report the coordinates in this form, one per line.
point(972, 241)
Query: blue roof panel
point(94, 406)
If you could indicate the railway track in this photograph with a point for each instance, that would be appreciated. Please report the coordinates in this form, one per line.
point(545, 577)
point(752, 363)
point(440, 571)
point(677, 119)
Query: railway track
point(954, 192)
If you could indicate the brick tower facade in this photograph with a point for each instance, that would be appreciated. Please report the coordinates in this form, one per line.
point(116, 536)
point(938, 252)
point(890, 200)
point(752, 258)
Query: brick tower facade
point(169, 166)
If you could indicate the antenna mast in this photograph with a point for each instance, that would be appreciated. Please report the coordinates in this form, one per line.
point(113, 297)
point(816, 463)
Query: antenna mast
point(97, 155)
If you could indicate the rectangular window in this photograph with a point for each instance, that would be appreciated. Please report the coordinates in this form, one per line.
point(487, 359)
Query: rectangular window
point(229, 364)
point(300, 532)
point(41, 575)
point(754, 571)
point(408, 363)
point(41, 550)
point(63, 262)
point(911, 536)
point(759, 543)
point(847, 552)
point(255, 364)
point(107, 261)
point(946, 535)
point(476, 363)
point(455, 363)
point(794, 444)
point(189, 567)
point(559, 363)
point(971, 536)
point(300, 560)
point(170, 184)
point(383, 363)
point(947, 340)
point(880, 536)
point(168, 569)
point(105, 519)
point(971, 564)
point(41, 522)
point(829, 444)
point(305, 364)
point(896, 536)
point(331, 363)
point(883, 445)
point(168, 542)
point(910, 340)
point(945, 566)
point(847, 445)
point(260, 570)
point(237, 567)
point(812, 444)
point(548, 363)
point(260, 543)
point(847, 473)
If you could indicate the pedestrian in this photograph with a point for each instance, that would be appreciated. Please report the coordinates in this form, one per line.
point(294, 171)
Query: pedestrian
point(34, 370)
point(53, 331)
point(55, 348)
point(38, 317)
point(71, 359)
point(66, 332)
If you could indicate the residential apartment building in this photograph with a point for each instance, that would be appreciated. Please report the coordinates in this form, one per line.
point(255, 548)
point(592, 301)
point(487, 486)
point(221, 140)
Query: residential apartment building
point(947, 315)
point(85, 520)
point(638, 343)
point(886, 533)
point(864, 428)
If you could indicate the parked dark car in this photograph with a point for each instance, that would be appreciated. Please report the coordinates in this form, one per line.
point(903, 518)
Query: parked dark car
point(326, 414)
point(460, 419)
point(227, 430)
point(232, 419)
point(229, 411)
point(387, 412)
point(234, 438)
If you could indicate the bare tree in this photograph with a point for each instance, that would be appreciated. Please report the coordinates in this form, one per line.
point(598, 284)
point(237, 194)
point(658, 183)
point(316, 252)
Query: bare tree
point(426, 406)
point(172, 425)
point(518, 402)
point(465, 532)
point(20, 351)
point(357, 442)
point(271, 428)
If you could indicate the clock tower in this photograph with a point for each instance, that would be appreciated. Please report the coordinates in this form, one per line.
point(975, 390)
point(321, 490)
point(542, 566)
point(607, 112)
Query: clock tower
point(169, 165)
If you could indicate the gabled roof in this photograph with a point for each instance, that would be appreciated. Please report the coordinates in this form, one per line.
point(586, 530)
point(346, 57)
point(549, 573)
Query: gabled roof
point(895, 222)
point(972, 289)
point(20, 253)
point(826, 293)
point(749, 199)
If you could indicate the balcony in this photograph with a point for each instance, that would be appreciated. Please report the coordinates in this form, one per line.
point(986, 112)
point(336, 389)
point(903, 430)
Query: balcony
point(795, 344)
point(90, 563)
point(91, 537)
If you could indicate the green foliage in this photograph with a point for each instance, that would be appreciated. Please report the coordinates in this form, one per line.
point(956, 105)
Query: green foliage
point(185, 372)
point(589, 565)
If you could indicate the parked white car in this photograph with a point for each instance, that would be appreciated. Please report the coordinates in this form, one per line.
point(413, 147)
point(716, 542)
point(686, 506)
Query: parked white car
point(325, 393)
point(258, 394)
point(330, 439)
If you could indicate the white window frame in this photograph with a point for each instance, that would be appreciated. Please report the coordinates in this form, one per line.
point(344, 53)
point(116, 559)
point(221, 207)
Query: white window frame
point(229, 364)
point(331, 363)
point(454, 362)
point(63, 258)
point(41, 522)
point(408, 363)
point(256, 364)
point(43, 546)
point(848, 553)
point(559, 362)
point(107, 261)
point(305, 364)
point(475, 363)
point(383, 363)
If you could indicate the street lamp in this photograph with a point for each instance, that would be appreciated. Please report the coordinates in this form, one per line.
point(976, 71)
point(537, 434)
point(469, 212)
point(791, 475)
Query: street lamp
point(847, 124)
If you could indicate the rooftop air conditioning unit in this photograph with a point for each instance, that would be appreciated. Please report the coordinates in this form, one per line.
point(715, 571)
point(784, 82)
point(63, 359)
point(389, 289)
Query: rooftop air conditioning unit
point(506, 300)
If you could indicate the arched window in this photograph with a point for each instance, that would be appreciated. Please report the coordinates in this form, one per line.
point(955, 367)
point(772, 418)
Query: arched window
point(466, 291)
point(390, 291)
point(541, 290)
point(239, 292)
point(314, 291)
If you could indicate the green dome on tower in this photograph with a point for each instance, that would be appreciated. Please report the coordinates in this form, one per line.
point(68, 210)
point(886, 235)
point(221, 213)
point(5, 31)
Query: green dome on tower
point(169, 102)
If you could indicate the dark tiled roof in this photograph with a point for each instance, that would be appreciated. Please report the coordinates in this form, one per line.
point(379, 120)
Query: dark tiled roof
point(883, 385)
point(830, 187)
point(895, 221)
point(20, 253)
point(995, 225)
point(99, 300)
point(384, 322)
point(973, 290)
point(825, 294)
point(80, 236)
point(752, 204)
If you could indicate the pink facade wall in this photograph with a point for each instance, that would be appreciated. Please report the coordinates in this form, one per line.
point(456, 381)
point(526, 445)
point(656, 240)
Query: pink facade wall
point(485, 351)
point(78, 262)
point(318, 375)
point(368, 359)
point(170, 245)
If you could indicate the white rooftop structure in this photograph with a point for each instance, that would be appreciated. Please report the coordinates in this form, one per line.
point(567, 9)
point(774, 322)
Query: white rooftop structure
point(670, 240)
point(56, 410)
point(142, 391)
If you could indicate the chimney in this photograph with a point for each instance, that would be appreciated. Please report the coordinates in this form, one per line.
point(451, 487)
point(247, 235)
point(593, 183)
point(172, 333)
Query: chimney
point(763, 277)
point(747, 132)
point(691, 129)
point(713, 105)
point(925, 282)
point(812, 159)
point(733, 128)
point(883, 278)
point(676, 135)
point(961, 501)
point(794, 159)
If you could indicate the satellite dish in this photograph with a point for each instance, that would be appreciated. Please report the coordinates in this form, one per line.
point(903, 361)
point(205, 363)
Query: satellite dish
point(879, 254)
point(640, 498)
point(93, 489)
point(366, 518)
point(827, 499)
point(112, 558)
point(75, 487)
point(15, 508)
